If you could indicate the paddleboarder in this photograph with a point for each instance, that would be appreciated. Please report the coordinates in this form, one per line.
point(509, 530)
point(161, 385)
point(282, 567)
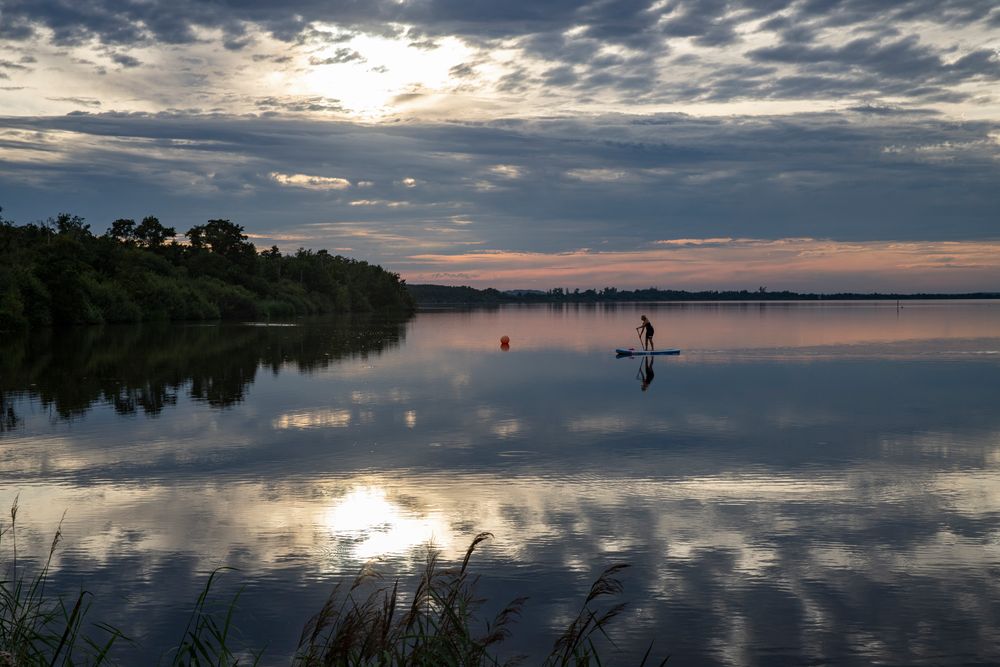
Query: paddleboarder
point(647, 328)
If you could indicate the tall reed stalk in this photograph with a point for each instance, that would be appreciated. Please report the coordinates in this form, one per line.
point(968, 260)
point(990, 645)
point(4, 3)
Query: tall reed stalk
point(368, 623)
point(206, 639)
point(34, 628)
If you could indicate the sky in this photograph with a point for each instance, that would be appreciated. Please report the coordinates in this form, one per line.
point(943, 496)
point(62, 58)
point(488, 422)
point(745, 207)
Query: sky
point(811, 145)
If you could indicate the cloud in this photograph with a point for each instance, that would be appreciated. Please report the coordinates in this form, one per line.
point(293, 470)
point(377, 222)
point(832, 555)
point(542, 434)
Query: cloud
point(425, 45)
point(378, 202)
point(462, 71)
point(10, 64)
point(903, 59)
point(311, 182)
point(593, 48)
point(849, 176)
point(341, 56)
point(82, 101)
point(125, 60)
point(506, 171)
point(597, 175)
point(299, 104)
point(687, 243)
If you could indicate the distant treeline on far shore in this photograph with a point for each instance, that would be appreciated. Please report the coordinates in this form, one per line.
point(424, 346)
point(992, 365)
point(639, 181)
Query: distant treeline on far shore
point(441, 295)
point(59, 272)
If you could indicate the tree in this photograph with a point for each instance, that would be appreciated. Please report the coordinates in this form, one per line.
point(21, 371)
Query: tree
point(122, 230)
point(272, 262)
point(220, 236)
point(152, 234)
point(65, 223)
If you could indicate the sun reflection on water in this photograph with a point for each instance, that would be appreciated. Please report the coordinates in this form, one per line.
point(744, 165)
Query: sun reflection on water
point(380, 526)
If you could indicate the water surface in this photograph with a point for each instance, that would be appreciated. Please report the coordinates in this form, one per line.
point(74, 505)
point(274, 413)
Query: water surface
point(806, 483)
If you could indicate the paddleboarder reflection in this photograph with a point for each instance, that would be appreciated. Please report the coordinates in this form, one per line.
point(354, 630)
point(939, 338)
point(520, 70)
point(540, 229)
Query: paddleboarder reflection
point(646, 372)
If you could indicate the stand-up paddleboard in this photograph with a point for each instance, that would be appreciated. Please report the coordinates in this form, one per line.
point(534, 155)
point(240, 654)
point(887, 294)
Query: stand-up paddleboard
point(632, 352)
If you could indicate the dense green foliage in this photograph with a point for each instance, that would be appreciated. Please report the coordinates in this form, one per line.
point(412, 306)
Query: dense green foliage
point(58, 272)
point(431, 295)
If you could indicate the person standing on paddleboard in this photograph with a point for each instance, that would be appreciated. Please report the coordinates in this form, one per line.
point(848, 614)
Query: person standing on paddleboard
point(647, 341)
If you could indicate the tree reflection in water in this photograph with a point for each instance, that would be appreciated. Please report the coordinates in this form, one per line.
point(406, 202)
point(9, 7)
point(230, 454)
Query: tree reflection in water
point(143, 368)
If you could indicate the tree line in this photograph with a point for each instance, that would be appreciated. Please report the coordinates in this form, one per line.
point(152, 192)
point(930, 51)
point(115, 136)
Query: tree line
point(58, 272)
point(431, 295)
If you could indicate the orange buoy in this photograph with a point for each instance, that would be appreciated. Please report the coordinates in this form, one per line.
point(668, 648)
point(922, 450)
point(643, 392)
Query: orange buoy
point(505, 340)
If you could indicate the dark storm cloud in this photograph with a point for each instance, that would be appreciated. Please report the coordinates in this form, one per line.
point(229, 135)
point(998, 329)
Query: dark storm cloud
point(547, 184)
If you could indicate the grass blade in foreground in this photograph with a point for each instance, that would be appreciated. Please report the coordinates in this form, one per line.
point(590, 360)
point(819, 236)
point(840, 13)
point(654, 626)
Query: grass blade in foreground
point(367, 624)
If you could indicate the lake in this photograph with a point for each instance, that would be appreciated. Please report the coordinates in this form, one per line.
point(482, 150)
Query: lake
point(806, 483)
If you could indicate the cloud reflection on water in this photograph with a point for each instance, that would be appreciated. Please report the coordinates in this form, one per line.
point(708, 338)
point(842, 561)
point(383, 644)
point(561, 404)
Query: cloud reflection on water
point(322, 418)
point(746, 533)
point(842, 509)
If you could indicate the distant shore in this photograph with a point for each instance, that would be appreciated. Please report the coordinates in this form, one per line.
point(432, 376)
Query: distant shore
point(446, 295)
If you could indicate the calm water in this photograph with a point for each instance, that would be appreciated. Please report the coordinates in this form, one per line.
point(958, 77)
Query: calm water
point(804, 484)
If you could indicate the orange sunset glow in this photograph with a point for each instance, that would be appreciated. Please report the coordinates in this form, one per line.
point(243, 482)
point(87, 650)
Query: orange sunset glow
point(792, 264)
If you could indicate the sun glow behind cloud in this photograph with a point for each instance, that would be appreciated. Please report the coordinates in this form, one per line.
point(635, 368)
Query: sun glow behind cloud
point(373, 75)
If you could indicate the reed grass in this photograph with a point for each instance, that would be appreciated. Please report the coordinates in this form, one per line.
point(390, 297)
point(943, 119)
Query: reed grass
point(207, 636)
point(367, 623)
point(38, 630)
